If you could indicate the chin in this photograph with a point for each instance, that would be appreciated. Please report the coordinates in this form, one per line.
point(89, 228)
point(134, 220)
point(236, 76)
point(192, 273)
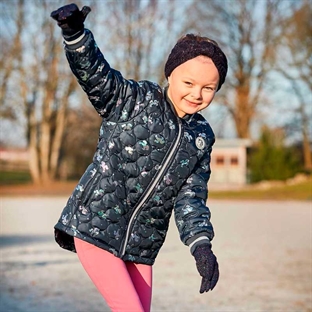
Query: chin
point(191, 111)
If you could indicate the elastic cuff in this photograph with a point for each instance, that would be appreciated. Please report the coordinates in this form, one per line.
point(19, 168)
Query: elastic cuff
point(76, 40)
point(199, 241)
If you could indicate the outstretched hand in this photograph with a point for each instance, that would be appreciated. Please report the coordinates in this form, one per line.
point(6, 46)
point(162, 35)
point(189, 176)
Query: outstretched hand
point(71, 20)
point(207, 266)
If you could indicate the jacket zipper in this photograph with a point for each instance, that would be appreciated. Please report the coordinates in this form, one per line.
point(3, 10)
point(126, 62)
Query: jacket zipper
point(152, 186)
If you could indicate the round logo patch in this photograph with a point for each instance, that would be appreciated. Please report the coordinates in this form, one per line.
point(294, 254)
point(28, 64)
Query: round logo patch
point(200, 143)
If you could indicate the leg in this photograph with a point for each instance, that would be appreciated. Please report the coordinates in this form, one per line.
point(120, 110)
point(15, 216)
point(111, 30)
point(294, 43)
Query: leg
point(110, 275)
point(141, 276)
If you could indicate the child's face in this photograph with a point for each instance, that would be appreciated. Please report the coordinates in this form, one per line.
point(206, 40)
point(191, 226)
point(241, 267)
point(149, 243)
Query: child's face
point(192, 85)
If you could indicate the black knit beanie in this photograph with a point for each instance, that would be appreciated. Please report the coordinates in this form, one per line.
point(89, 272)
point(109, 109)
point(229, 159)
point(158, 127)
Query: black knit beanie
point(191, 46)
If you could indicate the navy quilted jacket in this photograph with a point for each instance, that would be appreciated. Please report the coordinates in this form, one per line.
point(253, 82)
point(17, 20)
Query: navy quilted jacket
point(148, 162)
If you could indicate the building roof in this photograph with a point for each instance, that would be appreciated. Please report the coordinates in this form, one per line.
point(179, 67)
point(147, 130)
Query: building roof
point(232, 143)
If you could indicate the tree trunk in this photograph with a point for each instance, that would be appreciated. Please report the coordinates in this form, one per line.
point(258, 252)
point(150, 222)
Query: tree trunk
point(51, 87)
point(45, 139)
point(33, 146)
point(243, 112)
point(307, 153)
point(60, 123)
point(307, 157)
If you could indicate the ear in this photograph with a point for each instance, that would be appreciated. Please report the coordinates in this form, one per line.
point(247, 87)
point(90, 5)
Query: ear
point(169, 79)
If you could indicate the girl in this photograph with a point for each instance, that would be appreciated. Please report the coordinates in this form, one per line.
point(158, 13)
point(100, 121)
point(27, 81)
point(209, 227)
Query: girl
point(152, 157)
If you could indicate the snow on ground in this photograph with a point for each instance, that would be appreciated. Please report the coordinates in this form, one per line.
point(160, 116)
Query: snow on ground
point(264, 249)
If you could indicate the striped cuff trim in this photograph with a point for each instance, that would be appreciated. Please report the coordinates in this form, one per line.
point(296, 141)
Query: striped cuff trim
point(76, 40)
point(199, 239)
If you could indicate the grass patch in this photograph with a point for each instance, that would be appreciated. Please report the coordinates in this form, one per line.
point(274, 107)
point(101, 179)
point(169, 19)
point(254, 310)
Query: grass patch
point(300, 191)
point(14, 177)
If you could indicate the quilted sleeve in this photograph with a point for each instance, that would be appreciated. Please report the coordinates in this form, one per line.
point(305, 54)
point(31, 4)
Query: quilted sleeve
point(192, 216)
point(110, 94)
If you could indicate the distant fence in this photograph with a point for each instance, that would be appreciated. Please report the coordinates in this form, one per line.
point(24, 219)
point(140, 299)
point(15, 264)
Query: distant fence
point(13, 165)
point(14, 159)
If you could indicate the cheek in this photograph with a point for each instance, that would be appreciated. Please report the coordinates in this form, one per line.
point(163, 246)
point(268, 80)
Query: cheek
point(174, 89)
point(209, 97)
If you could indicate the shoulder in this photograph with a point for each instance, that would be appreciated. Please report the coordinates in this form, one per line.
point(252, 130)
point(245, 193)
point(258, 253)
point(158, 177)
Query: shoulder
point(149, 94)
point(150, 88)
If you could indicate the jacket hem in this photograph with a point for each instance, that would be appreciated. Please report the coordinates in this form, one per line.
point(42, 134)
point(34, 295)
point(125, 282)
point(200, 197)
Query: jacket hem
point(65, 240)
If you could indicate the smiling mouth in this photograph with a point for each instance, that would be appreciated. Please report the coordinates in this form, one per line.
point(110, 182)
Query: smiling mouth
point(192, 103)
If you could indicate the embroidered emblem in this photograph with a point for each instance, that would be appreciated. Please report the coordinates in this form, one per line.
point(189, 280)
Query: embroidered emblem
point(200, 143)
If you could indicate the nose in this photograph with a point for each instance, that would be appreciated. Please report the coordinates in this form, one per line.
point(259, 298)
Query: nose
point(196, 93)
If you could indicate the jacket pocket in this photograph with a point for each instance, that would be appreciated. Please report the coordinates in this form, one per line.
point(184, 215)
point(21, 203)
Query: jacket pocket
point(87, 184)
point(90, 188)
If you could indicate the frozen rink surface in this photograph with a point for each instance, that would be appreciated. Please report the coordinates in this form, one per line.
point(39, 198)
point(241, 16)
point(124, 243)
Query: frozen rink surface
point(264, 249)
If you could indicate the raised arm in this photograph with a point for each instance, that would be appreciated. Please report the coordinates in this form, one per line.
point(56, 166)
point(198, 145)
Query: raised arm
point(108, 91)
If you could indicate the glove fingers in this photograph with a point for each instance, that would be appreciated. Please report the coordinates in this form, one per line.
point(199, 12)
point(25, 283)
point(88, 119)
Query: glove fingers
point(65, 12)
point(65, 15)
point(61, 15)
point(69, 11)
point(215, 277)
point(55, 14)
point(205, 285)
point(211, 264)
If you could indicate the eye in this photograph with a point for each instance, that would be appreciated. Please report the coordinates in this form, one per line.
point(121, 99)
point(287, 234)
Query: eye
point(209, 88)
point(187, 83)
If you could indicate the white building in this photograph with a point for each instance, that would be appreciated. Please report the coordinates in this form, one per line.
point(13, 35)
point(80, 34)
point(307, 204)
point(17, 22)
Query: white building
point(14, 159)
point(229, 163)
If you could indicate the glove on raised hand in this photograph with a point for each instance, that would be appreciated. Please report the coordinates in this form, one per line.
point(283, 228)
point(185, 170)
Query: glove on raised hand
point(207, 266)
point(71, 20)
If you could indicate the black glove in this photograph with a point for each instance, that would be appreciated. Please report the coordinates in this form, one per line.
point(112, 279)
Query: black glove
point(207, 266)
point(71, 20)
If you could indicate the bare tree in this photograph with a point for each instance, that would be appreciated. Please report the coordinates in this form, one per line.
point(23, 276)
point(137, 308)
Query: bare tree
point(247, 30)
point(41, 85)
point(10, 58)
point(137, 35)
point(296, 67)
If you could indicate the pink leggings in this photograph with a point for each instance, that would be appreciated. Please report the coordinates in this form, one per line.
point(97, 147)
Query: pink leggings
point(125, 286)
